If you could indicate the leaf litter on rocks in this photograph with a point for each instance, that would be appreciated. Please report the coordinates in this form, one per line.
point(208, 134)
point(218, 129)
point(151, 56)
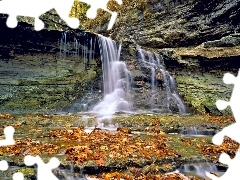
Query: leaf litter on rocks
point(119, 146)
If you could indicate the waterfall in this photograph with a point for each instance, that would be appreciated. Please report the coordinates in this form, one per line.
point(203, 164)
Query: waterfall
point(155, 67)
point(78, 51)
point(147, 86)
point(116, 79)
point(81, 47)
point(199, 168)
point(63, 45)
point(196, 132)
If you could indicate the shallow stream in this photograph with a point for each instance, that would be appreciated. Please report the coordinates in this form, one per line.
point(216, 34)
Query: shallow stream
point(144, 128)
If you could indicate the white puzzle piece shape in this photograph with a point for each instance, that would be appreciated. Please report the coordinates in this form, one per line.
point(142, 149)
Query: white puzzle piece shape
point(44, 171)
point(8, 132)
point(233, 168)
point(18, 176)
point(35, 8)
point(3, 165)
point(232, 131)
point(101, 4)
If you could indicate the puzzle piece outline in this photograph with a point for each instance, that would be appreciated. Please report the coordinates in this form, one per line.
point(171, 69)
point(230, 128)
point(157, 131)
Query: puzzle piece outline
point(62, 7)
point(232, 131)
point(16, 176)
point(92, 11)
point(38, 7)
point(9, 132)
point(44, 171)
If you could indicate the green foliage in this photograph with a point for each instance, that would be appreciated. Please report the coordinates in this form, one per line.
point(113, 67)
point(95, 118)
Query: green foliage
point(79, 10)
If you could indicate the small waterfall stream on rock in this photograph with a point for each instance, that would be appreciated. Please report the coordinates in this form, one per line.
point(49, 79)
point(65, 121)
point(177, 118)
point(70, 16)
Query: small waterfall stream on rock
point(163, 86)
point(116, 80)
point(83, 48)
point(200, 169)
point(101, 78)
point(197, 132)
point(73, 46)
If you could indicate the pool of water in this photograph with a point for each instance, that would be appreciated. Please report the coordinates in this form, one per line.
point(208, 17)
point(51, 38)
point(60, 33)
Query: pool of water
point(200, 169)
point(195, 132)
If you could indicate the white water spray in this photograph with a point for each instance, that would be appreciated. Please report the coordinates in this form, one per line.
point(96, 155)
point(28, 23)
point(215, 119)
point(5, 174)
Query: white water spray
point(152, 62)
point(116, 80)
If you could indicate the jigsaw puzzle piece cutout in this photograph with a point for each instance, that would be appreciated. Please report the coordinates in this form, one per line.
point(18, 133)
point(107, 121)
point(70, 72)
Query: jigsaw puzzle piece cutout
point(12, 21)
point(112, 20)
point(3, 165)
point(44, 171)
point(63, 8)
point(234, 100)
point(18, 176)
point(95, 5)
point(233, 167)
point(232, 131)
point(229, 78)
point(91, 13)
point(35, 8)
point(221, 104)
point(30, 8)
point(8, 132)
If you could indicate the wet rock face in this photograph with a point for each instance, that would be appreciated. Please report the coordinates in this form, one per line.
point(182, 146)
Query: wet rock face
point(146, 97)
point(34, 77)
point(199, 72)
point(39, 78)
point(227, 41)
point(212, 26)
point(153, 88)
point(177, 23)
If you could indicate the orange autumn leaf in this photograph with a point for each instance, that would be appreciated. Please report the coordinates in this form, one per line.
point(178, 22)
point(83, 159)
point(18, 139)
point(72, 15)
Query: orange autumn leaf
point(228, 146)
point(100, 162)
point(6, 116)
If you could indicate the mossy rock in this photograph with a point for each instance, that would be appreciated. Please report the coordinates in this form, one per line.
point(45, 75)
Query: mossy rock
point(27, 172)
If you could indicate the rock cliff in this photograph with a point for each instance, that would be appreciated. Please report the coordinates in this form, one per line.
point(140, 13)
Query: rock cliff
point(35, 77)
point(198, 41)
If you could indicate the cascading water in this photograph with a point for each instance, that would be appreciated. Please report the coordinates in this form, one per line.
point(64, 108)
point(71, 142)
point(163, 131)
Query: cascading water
point(158, 72)
point(116, 80)
point(116, 77)
point(196, 132)
point(82, 48)
point(200, 169)
point(152, 88)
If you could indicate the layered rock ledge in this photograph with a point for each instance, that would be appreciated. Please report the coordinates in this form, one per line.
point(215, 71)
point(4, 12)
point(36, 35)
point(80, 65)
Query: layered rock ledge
point(34, 77)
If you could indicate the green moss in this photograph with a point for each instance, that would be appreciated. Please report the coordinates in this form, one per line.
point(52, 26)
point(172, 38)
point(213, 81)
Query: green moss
point(24, 82)
point(202, 92)
point(186, 151)
point(27, 172)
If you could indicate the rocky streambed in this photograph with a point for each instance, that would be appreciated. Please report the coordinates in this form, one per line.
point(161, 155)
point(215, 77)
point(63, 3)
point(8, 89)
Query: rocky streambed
point(130, 146)
point(41, 74)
